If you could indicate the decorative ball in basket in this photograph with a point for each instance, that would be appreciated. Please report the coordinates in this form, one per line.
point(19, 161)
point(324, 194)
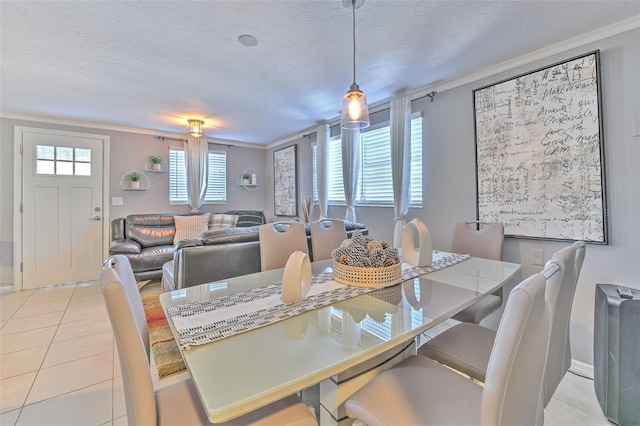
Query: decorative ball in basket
point(364, 262)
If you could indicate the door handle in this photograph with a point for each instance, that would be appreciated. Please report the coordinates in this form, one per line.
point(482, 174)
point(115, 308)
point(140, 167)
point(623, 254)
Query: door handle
point(95, 218)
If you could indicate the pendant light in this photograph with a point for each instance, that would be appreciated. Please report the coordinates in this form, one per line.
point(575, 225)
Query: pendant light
point(355, 111)
point(195, 127)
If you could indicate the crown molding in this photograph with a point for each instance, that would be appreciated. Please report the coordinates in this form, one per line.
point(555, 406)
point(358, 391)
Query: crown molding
point(572, 43)
point(563, 46)
point(119, 128)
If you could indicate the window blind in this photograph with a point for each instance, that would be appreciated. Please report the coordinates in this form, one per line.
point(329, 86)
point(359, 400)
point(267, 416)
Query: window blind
point(216, 178)
point(375, 180)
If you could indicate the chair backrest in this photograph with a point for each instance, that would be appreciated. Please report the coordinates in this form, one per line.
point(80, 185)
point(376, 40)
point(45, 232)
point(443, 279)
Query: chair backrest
point(513, 386)
point(126, 313)
point(325, 240)
point(560, 299)
point(276, 246)
point(581, 250)
point(486, 242)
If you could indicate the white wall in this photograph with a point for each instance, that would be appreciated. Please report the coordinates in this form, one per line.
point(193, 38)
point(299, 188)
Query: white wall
point(129, 151)
point(450, 191)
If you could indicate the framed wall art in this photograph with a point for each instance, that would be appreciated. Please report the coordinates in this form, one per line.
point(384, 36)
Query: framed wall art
point(285, 181)
point(539, 153)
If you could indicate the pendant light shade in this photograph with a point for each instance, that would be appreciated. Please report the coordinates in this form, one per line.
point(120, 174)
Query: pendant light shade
point(195, 127)
point(355, 110)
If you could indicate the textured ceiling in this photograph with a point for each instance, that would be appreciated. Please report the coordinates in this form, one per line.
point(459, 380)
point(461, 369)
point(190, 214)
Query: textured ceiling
point(153, 64)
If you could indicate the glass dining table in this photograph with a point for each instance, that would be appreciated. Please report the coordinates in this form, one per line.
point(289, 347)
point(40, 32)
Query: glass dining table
point(340, 347)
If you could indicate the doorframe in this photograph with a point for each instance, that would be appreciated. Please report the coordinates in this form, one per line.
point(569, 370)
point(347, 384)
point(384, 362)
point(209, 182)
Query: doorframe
point(18, 159)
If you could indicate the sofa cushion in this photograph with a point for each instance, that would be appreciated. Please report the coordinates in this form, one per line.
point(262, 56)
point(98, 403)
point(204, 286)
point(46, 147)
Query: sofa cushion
point(248, 218)
point(189, 227)
point(150, 229)
point(194, 242)
point(231, 235)
point(124, 246)
point(151, 258)
point(221, 221)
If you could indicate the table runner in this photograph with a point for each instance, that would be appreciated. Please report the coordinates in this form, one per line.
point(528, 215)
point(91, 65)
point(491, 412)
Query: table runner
point(198, 323)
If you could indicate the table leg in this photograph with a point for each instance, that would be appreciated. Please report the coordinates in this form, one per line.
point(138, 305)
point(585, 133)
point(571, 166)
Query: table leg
point(337, 389)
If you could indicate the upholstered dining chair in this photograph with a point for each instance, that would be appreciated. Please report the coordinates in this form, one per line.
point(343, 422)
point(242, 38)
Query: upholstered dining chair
point(420, 391)
point(276, 246)
point(485, 242)
point(176, 403)
point(325, 240)
point(559, 359)
point(467, 347)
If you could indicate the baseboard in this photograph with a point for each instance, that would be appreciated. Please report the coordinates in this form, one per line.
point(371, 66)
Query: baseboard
point(581, 369)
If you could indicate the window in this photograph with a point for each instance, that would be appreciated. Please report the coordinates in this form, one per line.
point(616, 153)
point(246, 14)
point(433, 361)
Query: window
point(62, 160)
point(216, 181)
point(375, 181)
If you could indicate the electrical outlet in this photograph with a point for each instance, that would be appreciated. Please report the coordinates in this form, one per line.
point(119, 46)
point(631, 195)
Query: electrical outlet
point(116, 201)
point(538, 257)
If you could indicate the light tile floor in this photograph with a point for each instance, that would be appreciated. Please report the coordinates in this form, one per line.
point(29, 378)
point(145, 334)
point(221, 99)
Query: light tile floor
point(59, 365)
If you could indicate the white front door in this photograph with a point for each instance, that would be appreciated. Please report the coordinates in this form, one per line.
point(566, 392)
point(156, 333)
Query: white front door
point(62, 207)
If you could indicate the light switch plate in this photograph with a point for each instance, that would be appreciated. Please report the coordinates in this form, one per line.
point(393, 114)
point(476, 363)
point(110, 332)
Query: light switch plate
point(538, 257)
point(116, 201)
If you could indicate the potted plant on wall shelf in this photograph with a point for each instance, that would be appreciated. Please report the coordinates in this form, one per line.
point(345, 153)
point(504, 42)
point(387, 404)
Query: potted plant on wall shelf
point(135, 180)
point(246, 178)
point(156, 162)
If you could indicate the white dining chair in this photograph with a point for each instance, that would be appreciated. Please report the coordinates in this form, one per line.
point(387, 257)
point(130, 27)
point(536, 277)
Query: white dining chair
point(559, 359)
point(479, 239)
point(467, 347)
point(177, 403)
point(420, 391)
point(276, 246)
point(325, 239)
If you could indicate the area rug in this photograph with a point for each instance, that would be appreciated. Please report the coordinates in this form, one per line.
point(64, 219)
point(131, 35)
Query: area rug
point(163, 345)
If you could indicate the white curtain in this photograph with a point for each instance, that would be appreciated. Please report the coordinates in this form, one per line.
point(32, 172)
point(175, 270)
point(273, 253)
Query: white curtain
point(196, 161)
point(351, 147)
point(400, 163)
point(322, 167)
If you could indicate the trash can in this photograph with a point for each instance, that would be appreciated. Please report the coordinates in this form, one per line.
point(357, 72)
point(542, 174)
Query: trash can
point(616, 354)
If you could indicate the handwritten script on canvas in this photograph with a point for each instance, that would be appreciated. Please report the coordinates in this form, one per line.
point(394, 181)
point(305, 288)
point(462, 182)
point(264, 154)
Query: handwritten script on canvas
point(539, 153)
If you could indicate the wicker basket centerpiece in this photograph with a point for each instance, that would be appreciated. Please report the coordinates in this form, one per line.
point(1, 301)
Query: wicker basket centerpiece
point(364, 262)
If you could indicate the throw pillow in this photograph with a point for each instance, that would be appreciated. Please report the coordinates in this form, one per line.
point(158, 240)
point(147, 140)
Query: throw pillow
point(220, 221)
point(189, 227)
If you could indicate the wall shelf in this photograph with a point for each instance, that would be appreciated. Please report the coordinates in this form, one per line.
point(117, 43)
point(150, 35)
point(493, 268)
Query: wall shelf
point(126, 182)
point(254, 181)
point(148, 168)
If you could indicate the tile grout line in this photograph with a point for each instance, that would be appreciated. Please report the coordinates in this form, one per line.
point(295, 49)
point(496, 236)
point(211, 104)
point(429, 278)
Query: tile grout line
point(112, 380)
point(24, 403)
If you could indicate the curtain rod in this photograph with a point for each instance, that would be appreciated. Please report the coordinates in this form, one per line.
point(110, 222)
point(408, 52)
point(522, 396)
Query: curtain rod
point(431, 95)
point(163, 138)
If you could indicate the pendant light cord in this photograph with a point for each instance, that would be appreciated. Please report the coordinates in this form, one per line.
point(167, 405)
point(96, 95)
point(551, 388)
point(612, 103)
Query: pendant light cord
point(353, 8)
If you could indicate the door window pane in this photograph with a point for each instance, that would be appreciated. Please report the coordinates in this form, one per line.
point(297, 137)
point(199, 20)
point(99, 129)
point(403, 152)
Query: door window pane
point(83, 155)
point(44, 167)
point(44, 152)
point(64, 168)
point(83, 169)
point(64, 153)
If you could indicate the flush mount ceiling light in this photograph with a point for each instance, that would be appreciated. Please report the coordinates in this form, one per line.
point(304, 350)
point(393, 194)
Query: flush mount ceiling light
point(355, 111)
point(195, 127)
point(248, 40)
